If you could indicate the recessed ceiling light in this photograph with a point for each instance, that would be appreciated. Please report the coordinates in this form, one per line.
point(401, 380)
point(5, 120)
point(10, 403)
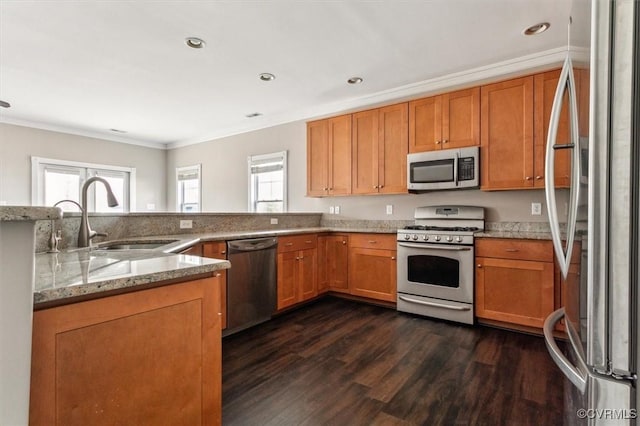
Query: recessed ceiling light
point(267, 76)
point(253, 115)
point(4, 104)
point(117, 131)
point(194, 42)
point(537, 28)
point(355, 80)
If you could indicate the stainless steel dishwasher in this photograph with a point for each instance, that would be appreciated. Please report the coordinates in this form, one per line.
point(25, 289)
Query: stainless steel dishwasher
point(251, 283)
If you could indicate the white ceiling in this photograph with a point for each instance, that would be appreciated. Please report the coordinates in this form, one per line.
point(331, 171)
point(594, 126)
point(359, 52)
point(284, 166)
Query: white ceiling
point(89, 66)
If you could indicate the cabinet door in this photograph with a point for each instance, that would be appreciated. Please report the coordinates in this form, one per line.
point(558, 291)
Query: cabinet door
point(306, 276)
point(323, 263)
point(372, 273)
point(287, 279)
point(545, 89)
point(514, 291)
point(393, 148)
point(317, 158)
point(507, 134)
point(461, 118)
point(337, 264)
point(339, 170)
point(425, 124)
point(146, 357)
point(218, 250)
point(364, 142)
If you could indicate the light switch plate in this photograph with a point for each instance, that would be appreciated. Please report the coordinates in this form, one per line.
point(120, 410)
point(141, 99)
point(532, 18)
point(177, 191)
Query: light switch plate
point(337, 209)
point(186, 224)
point(274, 220)
point(389, 209)
point(536, 209)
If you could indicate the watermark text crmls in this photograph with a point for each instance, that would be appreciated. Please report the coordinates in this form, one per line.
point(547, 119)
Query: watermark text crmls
point(607, 413)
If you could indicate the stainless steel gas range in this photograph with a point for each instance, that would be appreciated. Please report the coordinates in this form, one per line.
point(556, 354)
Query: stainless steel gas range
point(435, 262)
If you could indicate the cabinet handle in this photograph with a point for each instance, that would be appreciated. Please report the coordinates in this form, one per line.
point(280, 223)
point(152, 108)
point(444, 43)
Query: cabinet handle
point(437, 142)
point(372, 241)
point(288, 244)
point(344, 242)
point(479, 265)
point(381, 186)
point(375, 186)
point(308, 241)
point(301, 257)
point(528, 178)
point(223, 252)
point(445, 141)
point(539, 177)
point(511, 250)
point(393, 258)
point(330, 189)
point(218, 274)
point(297, 258)
point(325, 189)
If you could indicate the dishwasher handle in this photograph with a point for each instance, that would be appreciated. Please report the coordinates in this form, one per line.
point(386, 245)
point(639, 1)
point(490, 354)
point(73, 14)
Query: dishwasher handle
point(252, 244)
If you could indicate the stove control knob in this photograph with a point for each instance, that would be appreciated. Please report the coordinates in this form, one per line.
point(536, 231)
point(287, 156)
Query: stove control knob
point(449, 238)
point(415, 237)
point(458, 239)
point(437, 238)
point(407, 236)
point(425, 237)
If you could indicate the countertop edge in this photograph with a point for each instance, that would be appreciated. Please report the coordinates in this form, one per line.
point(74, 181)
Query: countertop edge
point(29, 214)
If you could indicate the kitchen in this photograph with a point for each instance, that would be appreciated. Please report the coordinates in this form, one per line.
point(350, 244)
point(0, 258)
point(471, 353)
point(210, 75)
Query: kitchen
point(224, 174)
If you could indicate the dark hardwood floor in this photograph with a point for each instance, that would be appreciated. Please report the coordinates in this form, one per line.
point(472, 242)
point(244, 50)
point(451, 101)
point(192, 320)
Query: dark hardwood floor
point(339, 362)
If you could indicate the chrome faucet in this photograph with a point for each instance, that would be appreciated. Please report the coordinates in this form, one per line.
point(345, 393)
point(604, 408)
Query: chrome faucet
point(56, 236)
point(85, 234)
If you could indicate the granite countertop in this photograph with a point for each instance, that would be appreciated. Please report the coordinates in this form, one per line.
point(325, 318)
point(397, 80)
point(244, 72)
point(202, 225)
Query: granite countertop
point(28, 214)
point(523, 235)
point(73, 274)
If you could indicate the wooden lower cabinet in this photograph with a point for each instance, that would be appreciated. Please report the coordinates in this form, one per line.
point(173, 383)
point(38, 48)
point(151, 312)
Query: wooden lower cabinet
point(372, 266)
point(218, 250)
point(146, 357)
point(297, 269)
point(333, 255)
point(514, 281)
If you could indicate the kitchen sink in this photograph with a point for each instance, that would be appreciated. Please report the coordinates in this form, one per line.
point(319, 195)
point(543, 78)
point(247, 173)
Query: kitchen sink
point(136, 245)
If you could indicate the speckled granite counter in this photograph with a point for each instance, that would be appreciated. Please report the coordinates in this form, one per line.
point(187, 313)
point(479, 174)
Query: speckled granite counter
point(64, 276)
point(26, 213)
point(517, 230)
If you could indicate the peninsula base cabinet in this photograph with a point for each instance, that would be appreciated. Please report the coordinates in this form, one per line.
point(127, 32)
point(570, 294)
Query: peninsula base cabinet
point(514, 281)
point(146, 357)
point(297, 269)
point(218, 250)
point(372, 266)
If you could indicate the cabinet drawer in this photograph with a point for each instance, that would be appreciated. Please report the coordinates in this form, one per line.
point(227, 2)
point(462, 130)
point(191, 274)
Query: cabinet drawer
point(215, 249)
point(297, 242)
point(373, 241)
point(514, 249)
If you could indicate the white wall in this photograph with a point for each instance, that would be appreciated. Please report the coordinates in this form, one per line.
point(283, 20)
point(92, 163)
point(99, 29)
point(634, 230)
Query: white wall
point(18, 144)
point(224, 181)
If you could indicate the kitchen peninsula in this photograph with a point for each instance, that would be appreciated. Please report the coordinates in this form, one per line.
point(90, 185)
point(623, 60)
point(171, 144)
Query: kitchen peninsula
point(126, 336)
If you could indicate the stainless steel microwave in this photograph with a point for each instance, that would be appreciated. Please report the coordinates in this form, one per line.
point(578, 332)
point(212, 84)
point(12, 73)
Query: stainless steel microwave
point(445, 169)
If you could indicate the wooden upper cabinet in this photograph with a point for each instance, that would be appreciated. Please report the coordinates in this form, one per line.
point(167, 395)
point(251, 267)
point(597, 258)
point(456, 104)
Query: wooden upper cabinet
point(379, 150)
point(544, 93)
point(507, 134)
point(451, 120)
point(329, 156)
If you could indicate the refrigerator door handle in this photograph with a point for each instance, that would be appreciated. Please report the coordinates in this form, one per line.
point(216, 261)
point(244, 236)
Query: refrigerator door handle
point(573, 373)
point(566, 80)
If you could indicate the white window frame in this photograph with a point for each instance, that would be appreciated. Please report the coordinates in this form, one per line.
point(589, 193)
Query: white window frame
point(197, 167)
point(285, 183)
point(88, 170)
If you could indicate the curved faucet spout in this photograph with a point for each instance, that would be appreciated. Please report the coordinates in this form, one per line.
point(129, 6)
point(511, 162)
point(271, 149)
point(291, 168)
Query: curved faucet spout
point(85, 234)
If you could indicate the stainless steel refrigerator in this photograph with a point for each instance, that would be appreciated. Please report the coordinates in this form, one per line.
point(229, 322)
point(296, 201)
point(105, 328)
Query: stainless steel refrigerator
point(596, 232)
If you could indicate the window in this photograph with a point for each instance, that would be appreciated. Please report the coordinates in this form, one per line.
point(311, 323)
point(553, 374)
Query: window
point(55, 180)
point(268, 182)
point(188, 195)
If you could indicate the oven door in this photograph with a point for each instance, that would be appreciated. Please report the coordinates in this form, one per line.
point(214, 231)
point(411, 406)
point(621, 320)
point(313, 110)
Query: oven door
point(434, 270)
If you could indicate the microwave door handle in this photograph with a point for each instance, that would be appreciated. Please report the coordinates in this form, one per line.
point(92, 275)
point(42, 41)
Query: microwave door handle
point(455, 168)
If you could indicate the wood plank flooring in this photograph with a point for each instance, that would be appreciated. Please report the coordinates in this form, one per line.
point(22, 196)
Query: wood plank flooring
point(338, 362)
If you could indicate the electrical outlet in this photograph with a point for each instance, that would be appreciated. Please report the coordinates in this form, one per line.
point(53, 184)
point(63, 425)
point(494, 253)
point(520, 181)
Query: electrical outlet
point(331, 210)
point(337, 209)
point(274, 220)
point(151, 207)
point(186, 224)
point(536, 209)
point(389, 209)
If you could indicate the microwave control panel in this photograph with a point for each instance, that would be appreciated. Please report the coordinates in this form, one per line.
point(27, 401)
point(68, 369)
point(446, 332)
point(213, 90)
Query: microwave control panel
point(466, 168)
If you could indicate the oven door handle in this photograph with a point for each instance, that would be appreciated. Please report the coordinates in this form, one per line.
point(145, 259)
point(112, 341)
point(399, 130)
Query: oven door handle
point(434, 246)
point(434, 304)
